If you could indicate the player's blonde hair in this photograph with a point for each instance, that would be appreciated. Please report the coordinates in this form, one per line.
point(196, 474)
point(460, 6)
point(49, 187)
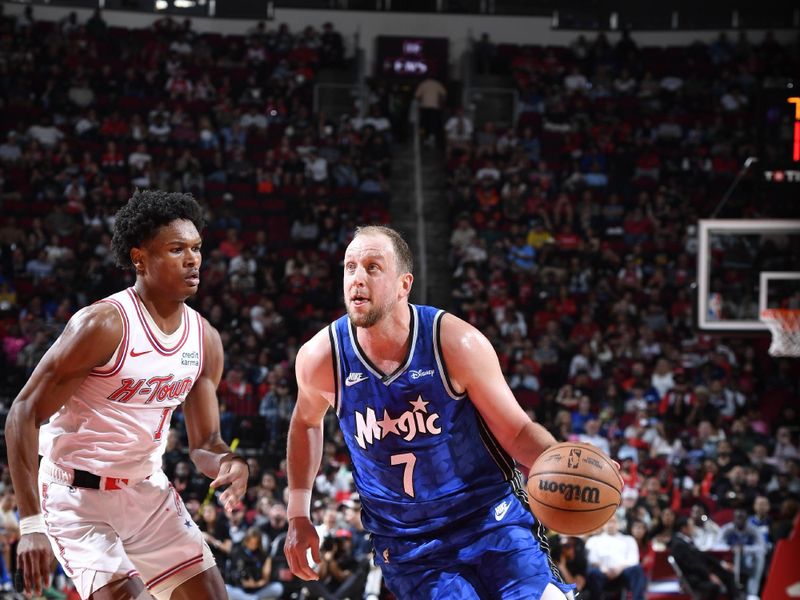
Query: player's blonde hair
point(402, 253)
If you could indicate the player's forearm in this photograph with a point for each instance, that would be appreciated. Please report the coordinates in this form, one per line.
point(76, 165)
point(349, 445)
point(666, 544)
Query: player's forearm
point(530, 442)
point(22, 441)
point(304, 457)
point(209, 457)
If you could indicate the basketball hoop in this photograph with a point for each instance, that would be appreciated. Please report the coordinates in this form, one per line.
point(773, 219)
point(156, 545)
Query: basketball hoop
point(784, 323)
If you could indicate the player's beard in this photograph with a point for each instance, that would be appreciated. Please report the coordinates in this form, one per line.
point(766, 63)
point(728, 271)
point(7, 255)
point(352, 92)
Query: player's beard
point(371, 317)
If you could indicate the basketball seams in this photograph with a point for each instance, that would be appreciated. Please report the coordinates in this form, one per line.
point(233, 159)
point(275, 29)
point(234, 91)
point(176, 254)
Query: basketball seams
point(578, 510)
point(579, 475)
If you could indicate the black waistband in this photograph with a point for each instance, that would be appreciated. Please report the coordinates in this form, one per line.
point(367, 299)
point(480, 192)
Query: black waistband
point(84, 479)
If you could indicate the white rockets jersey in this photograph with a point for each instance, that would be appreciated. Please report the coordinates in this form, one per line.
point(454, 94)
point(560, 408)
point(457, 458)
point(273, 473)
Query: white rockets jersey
point(116, 422)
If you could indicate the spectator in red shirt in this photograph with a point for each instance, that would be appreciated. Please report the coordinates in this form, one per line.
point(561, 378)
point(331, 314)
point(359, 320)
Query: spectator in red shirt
point(583, 331)
point(567, 240)
point(231, 246)
point(114, 126)
point(236, 394)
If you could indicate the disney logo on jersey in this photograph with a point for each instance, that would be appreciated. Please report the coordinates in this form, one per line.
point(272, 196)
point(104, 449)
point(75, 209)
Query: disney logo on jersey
point(417, 373)
point(159, 388)
point(408, 425)
point(354, 378)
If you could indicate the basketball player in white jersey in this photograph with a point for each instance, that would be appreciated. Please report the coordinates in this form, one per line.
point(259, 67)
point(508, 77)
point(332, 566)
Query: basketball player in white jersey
point(108, 386)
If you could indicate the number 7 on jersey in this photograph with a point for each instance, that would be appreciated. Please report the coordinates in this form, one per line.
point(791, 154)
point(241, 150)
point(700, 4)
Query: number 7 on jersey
point(409, 460)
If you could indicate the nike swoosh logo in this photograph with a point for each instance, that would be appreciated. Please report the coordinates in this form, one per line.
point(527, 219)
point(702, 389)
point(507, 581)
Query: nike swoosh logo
point(348, 382)
point(134, 354)
point(501, 511)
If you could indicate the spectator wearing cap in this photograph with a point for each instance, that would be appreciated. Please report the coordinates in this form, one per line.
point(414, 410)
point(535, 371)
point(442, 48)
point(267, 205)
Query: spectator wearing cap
point(362, 545)
point(626, 510)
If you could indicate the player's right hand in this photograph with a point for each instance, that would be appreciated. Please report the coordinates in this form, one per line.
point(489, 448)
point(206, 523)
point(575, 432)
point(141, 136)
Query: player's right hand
point(34, 558)
point(301, 538)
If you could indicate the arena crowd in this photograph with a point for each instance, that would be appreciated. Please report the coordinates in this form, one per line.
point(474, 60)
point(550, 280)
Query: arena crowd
point(572, 250)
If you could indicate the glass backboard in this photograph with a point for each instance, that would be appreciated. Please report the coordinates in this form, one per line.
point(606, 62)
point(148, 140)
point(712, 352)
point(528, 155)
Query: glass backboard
point(743, 267)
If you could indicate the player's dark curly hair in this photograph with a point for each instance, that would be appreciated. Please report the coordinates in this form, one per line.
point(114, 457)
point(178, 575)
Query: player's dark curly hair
point(146, 211)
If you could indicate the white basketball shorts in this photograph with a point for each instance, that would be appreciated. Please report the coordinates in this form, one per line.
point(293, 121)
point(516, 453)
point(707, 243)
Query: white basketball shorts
point(100, 536)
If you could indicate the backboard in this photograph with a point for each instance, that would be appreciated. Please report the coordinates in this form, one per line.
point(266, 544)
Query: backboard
point(743, 267)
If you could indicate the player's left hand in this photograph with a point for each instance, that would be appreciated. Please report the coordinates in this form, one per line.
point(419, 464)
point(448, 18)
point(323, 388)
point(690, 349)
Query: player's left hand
point(233, 472)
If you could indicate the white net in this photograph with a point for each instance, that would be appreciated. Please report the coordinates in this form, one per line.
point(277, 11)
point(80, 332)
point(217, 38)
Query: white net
point(784, 324)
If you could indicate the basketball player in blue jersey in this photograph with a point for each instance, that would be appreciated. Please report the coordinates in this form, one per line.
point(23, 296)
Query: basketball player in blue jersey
point(435, 437)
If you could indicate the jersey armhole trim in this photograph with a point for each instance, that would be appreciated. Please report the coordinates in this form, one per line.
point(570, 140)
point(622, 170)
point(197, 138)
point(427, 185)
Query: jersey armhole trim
point(122, 348)
point(439, 355)
point(335, 360)
point(201, 349)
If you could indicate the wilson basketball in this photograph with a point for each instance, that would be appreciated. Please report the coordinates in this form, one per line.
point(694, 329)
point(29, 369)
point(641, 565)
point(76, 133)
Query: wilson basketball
point(574, 488)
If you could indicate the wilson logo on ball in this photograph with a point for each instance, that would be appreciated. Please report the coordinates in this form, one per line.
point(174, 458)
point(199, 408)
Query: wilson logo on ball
point(586, 494)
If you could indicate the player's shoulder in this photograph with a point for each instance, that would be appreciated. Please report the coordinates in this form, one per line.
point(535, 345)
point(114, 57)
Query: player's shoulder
point(317, 349)
point(96, 318)
point(314, 360)
point(92, 333)
point(210, 333)
point(455, 331)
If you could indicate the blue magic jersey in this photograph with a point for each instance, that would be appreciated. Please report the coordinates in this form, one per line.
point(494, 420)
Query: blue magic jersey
point(423, 458)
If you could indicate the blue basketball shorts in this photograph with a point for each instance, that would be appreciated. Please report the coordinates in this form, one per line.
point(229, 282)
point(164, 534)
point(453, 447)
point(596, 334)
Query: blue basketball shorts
point(495, 555)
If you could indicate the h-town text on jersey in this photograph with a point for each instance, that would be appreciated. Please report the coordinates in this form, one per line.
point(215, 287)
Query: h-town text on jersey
point(159, 388)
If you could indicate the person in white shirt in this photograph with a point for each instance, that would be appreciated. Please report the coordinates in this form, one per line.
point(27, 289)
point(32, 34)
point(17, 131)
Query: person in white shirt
point(613, 555)
point(662, 379)
point(47, 134)
point(592, 436)
point(706, 532)
point(459, 130)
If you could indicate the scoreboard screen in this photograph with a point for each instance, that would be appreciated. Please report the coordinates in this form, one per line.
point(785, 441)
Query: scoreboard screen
point(412, 57)
point(780, 134)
